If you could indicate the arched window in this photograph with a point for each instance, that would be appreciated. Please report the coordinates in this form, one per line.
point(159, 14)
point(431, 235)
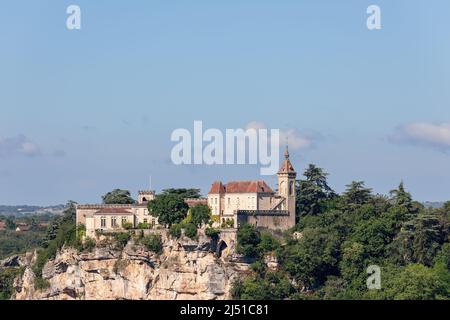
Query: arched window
point(291, 188)
point(113, 222)
point(103, 222)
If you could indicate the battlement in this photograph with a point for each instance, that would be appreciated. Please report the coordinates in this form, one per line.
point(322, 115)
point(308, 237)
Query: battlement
point(143, 192)
point(107, 206)
point(262, 213)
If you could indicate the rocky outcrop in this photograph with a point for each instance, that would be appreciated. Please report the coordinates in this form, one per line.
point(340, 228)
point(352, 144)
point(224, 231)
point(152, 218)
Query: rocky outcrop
point(185, 269)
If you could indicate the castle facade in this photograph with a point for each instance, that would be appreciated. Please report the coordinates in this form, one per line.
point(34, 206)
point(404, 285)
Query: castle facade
point(255, 202)
point(231, 204)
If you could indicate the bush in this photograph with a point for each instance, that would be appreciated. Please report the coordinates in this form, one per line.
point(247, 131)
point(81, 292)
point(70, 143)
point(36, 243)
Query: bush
point(7, 277)
point(258, 267)
point(89, 244)
point(153, 243)
point(143, 226)
point(190, 230)
point(248, 239)
point(127, 225)
point(212, 233)
point(175, 231)
point(122, 239)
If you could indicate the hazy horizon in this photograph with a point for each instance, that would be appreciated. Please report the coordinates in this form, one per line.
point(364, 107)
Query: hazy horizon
point(90, 110)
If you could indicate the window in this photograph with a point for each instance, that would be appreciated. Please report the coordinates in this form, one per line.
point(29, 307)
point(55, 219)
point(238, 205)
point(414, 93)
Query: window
point(291, 188)
point(103, 222)
point(145, 221)
point(124, 220)
point(113, 222)
point(229, 200)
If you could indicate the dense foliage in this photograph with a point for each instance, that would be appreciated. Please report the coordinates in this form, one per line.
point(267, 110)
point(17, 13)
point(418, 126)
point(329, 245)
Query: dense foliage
point(62, 231)
point(168, 208)
point(183, 193)
point(118, 196)
point(327, 254)
point(153, 243)
point(7, 277)
point(16, 242)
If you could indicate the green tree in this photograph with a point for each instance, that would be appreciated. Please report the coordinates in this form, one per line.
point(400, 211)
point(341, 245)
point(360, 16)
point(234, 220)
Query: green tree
point(118, 196)
point(357, 194)
point(248, 239)
point(190, 230)
point(413, 282)
point(427, 238)
point(201, 214)
point(313, 258)
point(168, 208)
point(10, 223)
point(183, 193)
point(313, 192)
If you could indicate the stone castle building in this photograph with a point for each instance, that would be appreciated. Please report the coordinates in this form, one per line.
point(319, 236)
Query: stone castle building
point(231, 205)
point(255, 202)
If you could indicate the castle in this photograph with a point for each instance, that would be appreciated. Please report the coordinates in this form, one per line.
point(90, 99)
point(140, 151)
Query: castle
point(255, 202)
point(231, 204)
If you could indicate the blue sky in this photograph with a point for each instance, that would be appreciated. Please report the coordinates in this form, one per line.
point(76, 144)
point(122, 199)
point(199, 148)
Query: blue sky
point(83, 112)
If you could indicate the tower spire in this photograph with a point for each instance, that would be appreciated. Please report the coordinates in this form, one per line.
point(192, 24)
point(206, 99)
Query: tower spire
point(286, 152)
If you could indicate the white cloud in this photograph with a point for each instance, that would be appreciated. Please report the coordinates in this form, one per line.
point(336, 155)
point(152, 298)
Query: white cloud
point(18, 145)
point(293, 137)
point(424, 134)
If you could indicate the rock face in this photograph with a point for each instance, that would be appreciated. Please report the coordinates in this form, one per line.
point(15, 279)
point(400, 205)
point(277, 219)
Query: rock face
point(185, 270)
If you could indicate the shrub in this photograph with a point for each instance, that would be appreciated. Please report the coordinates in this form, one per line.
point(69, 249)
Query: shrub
point(122, 239)
point(190, 230)
point(258, 267)
point(127, 225)
point(248, 238)
point(212, 233)
point(81, 231)
point(7, 277)
point(153, 243)
point(143, 226)
point(175, 231)
point(89, 244)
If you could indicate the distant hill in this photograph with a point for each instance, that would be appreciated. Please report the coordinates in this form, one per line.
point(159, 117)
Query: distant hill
point(435, 205)
point(24, 210)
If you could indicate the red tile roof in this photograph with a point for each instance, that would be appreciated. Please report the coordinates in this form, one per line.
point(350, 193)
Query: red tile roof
point(255, 186)
point(194, 202)
point(217, 187)
point(106, 211)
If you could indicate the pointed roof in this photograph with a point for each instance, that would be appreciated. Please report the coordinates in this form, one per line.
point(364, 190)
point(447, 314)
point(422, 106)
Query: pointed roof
point(286, 166)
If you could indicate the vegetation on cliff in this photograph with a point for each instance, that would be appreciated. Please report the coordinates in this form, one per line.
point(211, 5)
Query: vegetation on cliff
point(337, 237)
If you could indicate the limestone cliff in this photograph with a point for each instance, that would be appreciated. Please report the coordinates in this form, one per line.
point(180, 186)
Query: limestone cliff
point(185, 269)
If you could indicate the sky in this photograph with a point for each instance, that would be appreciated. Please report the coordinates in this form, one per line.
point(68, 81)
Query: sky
point(85, 111)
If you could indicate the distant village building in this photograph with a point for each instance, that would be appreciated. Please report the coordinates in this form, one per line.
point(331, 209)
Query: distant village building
point(255, 202)
point(22, 227)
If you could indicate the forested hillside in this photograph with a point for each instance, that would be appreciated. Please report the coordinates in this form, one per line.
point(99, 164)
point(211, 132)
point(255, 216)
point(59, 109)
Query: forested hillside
point(338, 236)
